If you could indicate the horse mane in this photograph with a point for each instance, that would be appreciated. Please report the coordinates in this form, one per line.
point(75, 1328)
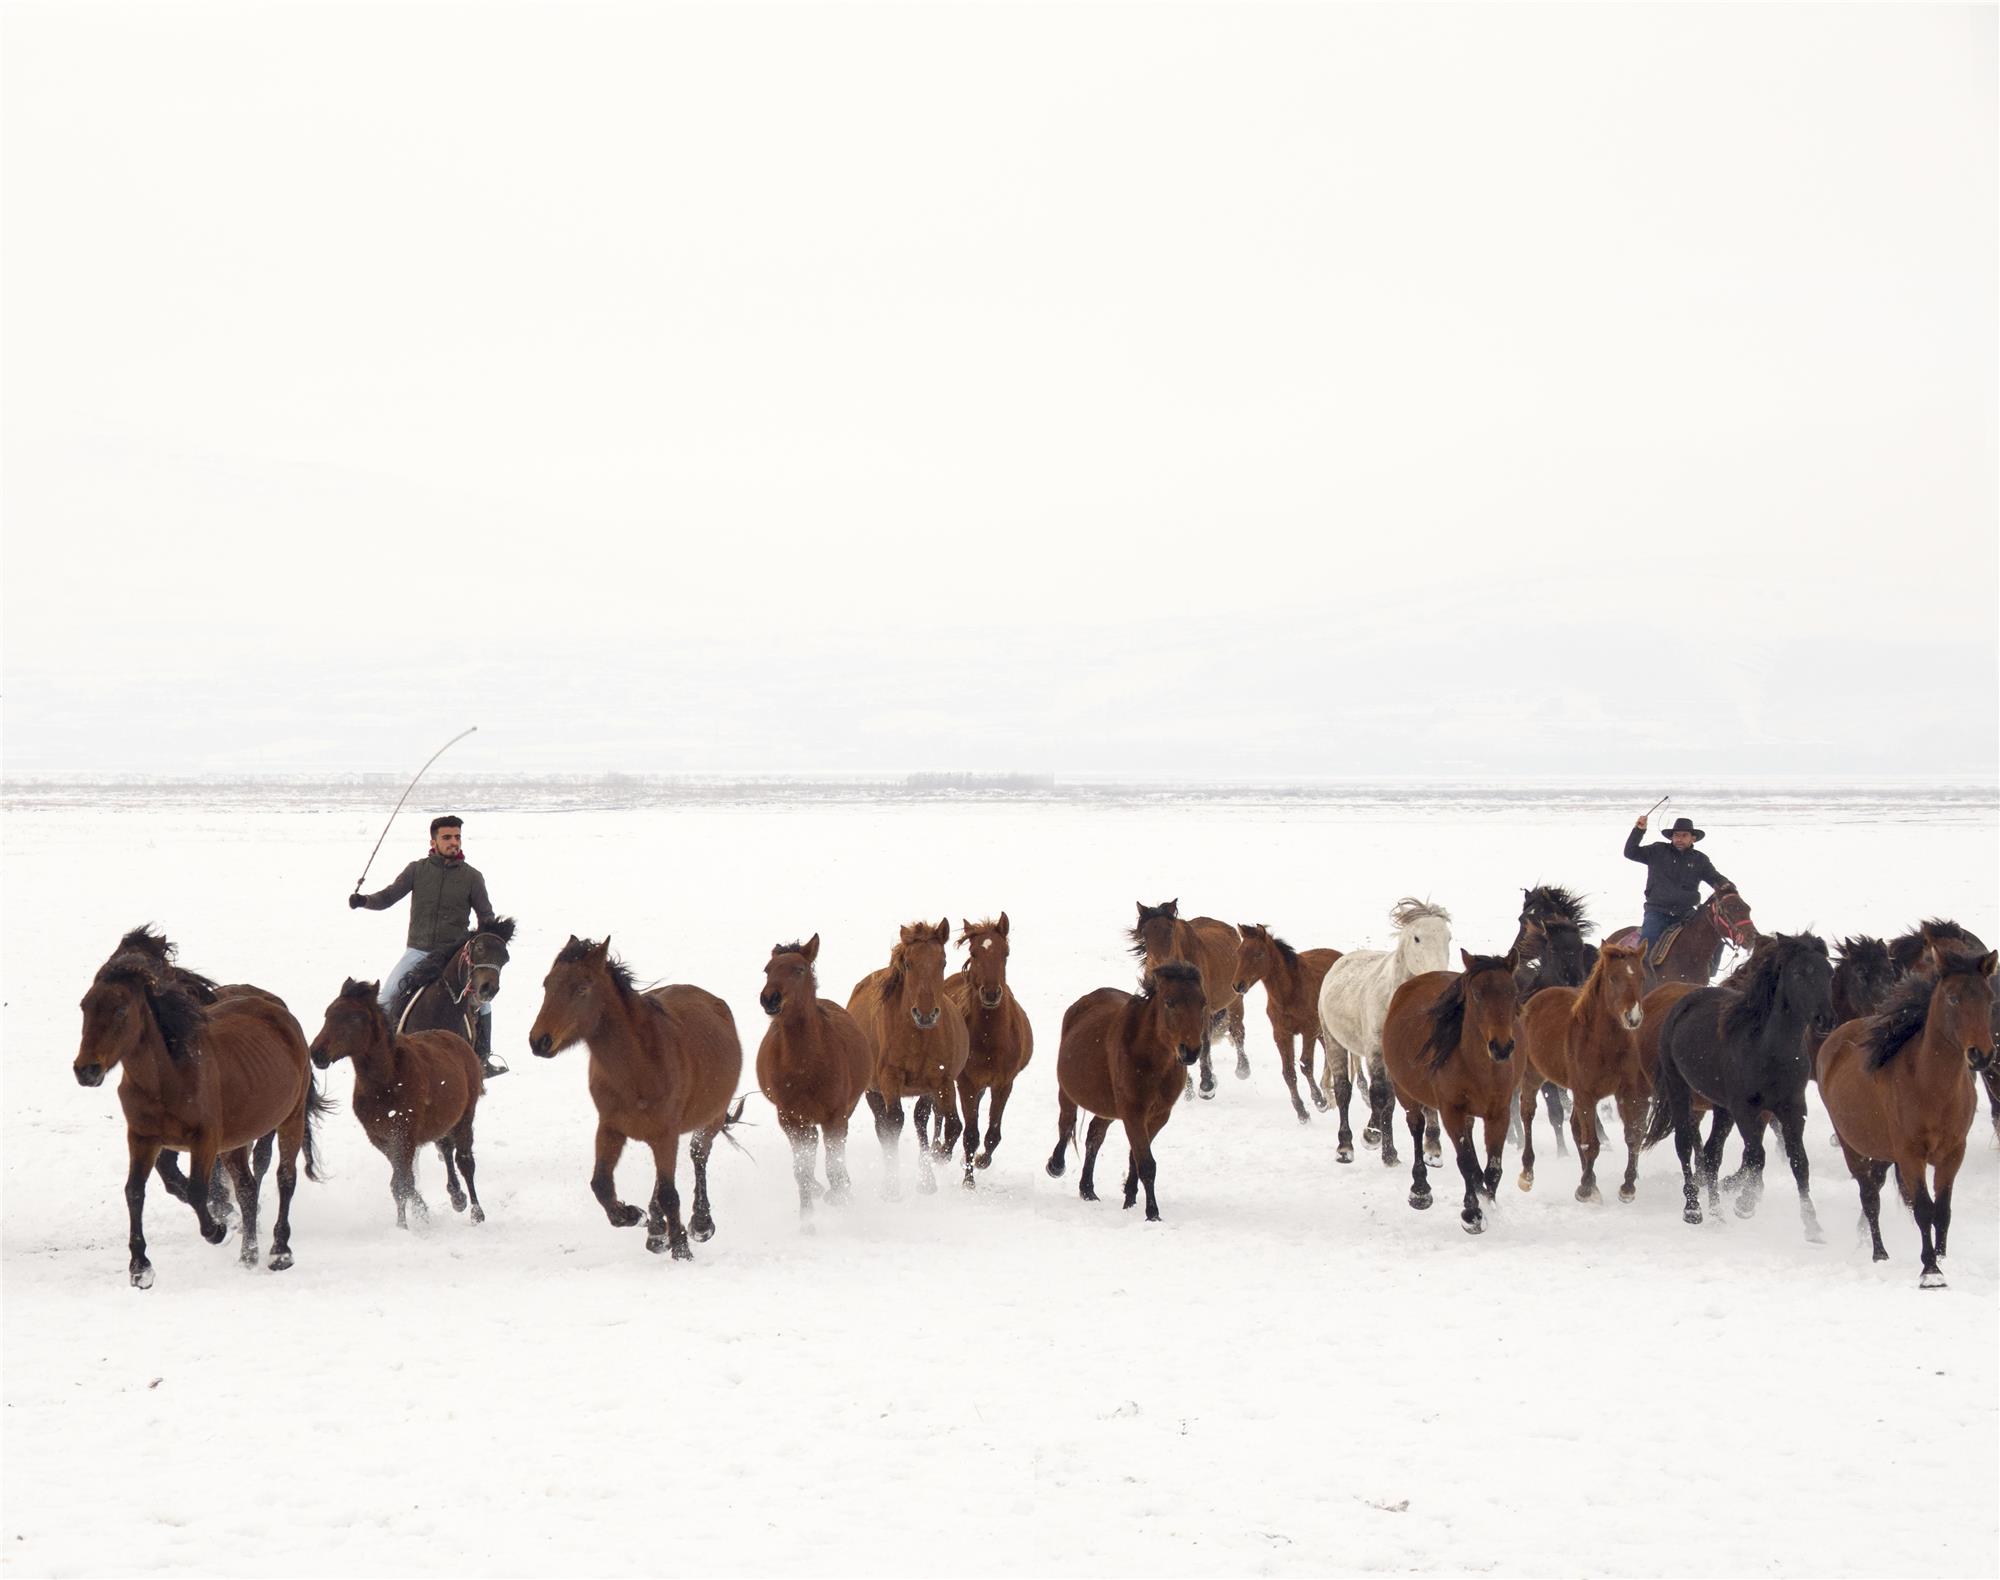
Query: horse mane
point(156, 947)
point(1861, 950)
point(990, 924)
point(899, 965)
point(1559, 902)
point(1137, 932)
point(1903, 1016)
point(1176, 971)
point(1761, 976)
point(424, 973)
point(1447, 1015)
point(501, 927)
point(1409, 910)
point(363, 993)
point(796, 947)
point(179, 1009)
point(1286, 952)
point(1907, 949)
point(573, 953)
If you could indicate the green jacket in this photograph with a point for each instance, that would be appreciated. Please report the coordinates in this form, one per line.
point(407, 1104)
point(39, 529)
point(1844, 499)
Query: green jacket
point(440, 892)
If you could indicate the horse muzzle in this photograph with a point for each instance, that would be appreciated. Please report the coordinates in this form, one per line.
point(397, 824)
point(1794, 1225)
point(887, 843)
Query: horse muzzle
point(770, 1003)
point(1501, 1051)
point(989, 1000)
point(542, 1047)
point(1635, 1017)
point(1978, 1058)
point(1239, 988)
point(1190, 1055)
point(319, 1059)
point(924, 1021)
point(89, 1075)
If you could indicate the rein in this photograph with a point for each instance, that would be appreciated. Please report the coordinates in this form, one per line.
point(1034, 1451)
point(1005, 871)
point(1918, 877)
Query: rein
point(464, 956)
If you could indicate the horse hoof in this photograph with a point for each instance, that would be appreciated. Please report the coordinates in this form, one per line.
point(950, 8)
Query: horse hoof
point(1813, 1235)
point(1207, 1091)
point(1420, 1202)
point(249, 1258)
point(1473, 1225)
point(1628, 1192)
point(1304, 1117)
point(628, 1215)
point(458, 1203)
point(1345, 1154)
point(1321, 1104)
point(1746, 1207)
point(1526, 1179)
point(1433, 1160)
point(142, 1277)
point(1588, 1193)
point(702, 1229)
point(983, 1161)
point(1931, 1280)
point(1372, 1135)
point(1090, 1195)
point(682, 1251)
point(1152, 1215)
point(1691, 1215)
point(807, 1226)
point(478, 1213)
point(1881, 1256)
point(1054, 1168)
point(969, 1182)
point(891, 1191)
point(1242, 1068)
point(215, 1233)
point(279, 1261)
point(1390, 1160)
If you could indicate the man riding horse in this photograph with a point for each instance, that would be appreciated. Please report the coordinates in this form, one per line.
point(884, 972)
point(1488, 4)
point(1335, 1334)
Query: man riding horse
point(1675, 872)
point(442, 887)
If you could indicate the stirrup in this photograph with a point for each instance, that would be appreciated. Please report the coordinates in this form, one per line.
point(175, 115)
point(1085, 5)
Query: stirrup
point(491, 1065)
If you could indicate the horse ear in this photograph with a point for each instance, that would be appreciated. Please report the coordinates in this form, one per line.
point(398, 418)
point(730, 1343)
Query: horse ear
point(573, 939)
point(1462, 955)
point(1173, 906)
point(1003, 924)
point(944, 931)
point(600, 951)
point(346, 983)
point(812, 949)
point(374, 988)
point(1986, 965)
point(968, 930)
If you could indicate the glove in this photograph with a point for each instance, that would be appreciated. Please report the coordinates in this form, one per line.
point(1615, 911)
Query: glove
point(355, 902)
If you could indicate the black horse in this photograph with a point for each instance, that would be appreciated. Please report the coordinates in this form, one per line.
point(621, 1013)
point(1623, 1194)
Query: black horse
point(1862, 977)
point(1743, 1049)
point(445, 989)
point(1552, 948)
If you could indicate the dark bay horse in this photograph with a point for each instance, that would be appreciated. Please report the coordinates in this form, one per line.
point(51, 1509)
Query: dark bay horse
point(411, 1089)
point(1551, 944)
point(919, 1049)
point(1448, 1045)
point(1722, 918)
point(812, 1066)
point(1586, 1041)
point(445, 989)
point(1124, 1056)
point(209, 1079)
point(1163, 934)
point(1744, 1052)
point(1910, 952)
point(1291, 979)
point(663, 1064)
point(999, 1040)
point(1898, 1088)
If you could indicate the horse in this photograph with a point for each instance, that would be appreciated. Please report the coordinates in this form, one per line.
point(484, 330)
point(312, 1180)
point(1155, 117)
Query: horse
point(1125, 1056)
point(812, 1066)
point(1897, 1087)
point(1291, 979)
point(208, 1079)
point(1910, 952)
point(918, 1050)
point(411, 1089)
point(445, 989)
point(1586, 1041)
point(999, 1040)
point(1745, 1053)
point(1552, 952)
point(1863, 977)
point(1724, 917)
point(1353, 1002)
point(663, 1064)
point(1208, 945)
point(1448, 1046)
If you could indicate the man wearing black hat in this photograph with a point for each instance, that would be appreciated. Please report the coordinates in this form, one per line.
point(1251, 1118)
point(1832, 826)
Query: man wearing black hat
point(1675, 873)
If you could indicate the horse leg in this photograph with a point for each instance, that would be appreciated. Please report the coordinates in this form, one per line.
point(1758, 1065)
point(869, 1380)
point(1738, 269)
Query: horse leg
point(1306, 1042)
point(1943, 1174)
point(1583, 1127)
point(1065, 1134)
point(888, 1131)
point(839, 1184)
point(805, 1151)
point(1869, 1175)
point(1910, 1180)
point(1147, 1168)
point(1341, 1078)
point(1632, 1115)
point(664, 1229)
point(1792, 1126)
point(1236, 1036)
point(604, 1185)
point(1433, 1143)
point(1382, 1106)
point(142, 1156)
point(291, 1137)
point(1496, 1148)
point(1524, 1105)
point(169, 1170)
point(1552, 1098)
point(968, 1106)
point(245, 1180)
point(452, 1188)
point(1378, 1122)
point(1000, 1095)
point(702, 1224)
point(1470, 1218)
point(1207, 1061)
point(1093, 1139)
point(461, 1140)
point(926, 1175)
point(1287, 1067)
point(1710, 1157)
point(202, 1162)
point(1420, 1185)
point(403, 1181)
point(1673, 1091)
point(920, 1120)
point(261, 1158)
point(1752, 1126)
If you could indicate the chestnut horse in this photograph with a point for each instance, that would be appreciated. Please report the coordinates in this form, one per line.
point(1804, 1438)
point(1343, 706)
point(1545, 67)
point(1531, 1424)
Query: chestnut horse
point(999, 1040)
point(1291, 979)
point(1551, 944)
point(663, 1064)
point(1722, 918)
point(410, 1090)
point(1586, 1040)
point(207, 1079)
point(918, 1050)
point(812, 1066)
point(1911, 952)
point(1448, 1045)
point(1208, 945)
point(1898, 1088)
point(1125, 1056)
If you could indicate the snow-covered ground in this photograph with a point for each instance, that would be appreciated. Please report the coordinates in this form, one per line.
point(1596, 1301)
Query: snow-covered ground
point(1292, 1373)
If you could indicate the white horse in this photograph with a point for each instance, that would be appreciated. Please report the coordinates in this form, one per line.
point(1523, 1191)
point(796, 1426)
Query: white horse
point(1353, 1004)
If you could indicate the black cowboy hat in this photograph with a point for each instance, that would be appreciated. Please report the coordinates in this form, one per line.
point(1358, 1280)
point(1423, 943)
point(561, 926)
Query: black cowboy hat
point(1684, 825)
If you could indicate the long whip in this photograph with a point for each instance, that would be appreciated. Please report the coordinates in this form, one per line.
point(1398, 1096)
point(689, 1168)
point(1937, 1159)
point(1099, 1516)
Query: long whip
point(1658, 804)
point(434, 756)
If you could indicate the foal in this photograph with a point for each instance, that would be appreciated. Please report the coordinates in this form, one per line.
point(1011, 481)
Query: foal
point(1291, 979)
point(918, 1050)
point(1448, 1045)
point(1587, 1040)
point(1898, 1089)
point(663, 1064)
point(1125, 1056)
point(813, 1065)
point(999, 1041)
point(409, 1091)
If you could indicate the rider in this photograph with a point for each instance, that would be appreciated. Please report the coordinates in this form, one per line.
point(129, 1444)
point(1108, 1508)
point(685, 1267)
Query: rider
point(1675, 873)
point(442, 887)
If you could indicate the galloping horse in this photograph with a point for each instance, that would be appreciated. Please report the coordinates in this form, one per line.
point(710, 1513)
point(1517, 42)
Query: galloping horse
point(1724, 917)
point(1124, 1056)
point(663, 1064)
point(1863, 977)
point(1210, 947)
point(1744, 1051)
point(999, 1040)
point(411, 1089)
point(1586, 1040)
point(208, 1079)
point(445, 989)
point(919, 1050)
point(1448, 1045)
point(1898, 1089)
point(1291, 979)
point(1551, 945)
point(1911, 952)
point(813, 1065)
point(1354, 1001)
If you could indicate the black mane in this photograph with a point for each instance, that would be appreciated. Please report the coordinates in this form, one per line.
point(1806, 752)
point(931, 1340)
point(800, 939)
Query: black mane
point(1147, 913)
point(1907, 1010)
point(1547, 900)
point(179, 1010)
point(501, 927)
point(1176, 971)
point(1907, 950)
point(156, 947)
point(1756, 999)
point(1447, 1015)
point(577, 948)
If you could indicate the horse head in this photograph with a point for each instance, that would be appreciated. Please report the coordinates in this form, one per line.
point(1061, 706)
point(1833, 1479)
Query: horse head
point(1620, 978)
point(1729, 914)
point(575, 995)
point(986, 959)
point(1423, 936)
point(1175, 986)
point(1153, 937)
point(1257, 952)
point(1962, 1002)
point(1491, 1004)
point(354, 1024)
point(485, 957)
point(789, 976)
point(917, 969)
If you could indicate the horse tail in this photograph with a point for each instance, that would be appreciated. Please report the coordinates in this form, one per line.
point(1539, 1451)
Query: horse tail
point(318, 1105)
point(731, 1119)
point(1659, 1120)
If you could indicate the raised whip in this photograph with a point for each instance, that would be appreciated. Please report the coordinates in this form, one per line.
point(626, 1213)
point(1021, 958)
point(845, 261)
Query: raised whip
point(434, 756)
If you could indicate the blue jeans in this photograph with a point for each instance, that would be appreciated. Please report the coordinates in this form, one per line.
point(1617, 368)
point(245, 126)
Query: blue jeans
point(1654, 923)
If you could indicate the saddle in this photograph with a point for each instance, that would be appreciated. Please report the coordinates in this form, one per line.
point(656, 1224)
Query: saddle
point(1658, 958)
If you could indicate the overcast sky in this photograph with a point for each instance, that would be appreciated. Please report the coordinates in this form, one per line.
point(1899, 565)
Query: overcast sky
point(1321, 390)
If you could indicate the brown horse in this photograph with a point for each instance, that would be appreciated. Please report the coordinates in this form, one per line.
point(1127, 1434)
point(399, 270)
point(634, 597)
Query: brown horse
point(663, 1064)
point(999, 1040)
point(1291, 979)
point(1586, 1040)
point(446, 989)
point(1210, 947)
point(206, 1079)
point(919, 1051)
point(410, 1090)
point(1898, 1088)
point(1125, 1056)
point(1448, 1045)
point(1722, 918)
point(812, 1066)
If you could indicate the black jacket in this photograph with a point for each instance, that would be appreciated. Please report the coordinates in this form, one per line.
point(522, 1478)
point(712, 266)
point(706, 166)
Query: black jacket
point(1673, 877)
point(441, 892)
